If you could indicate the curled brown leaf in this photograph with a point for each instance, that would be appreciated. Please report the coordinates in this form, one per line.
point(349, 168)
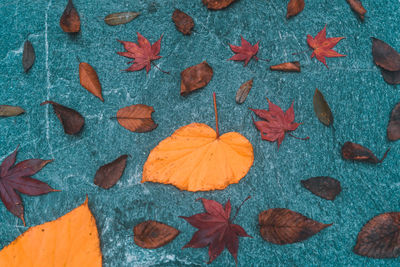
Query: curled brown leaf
point(294, 7)
point(70, 21)
point(393, 129)
point(356, 152)
point(136, 118)
point(153, 234)
point(357, 7)
point(287, 67)
point(109, 174)
point(183, 22)
point(195, 77)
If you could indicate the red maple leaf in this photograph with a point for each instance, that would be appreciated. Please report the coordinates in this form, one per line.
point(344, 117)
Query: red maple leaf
point(276, 123)
point(245, 51)
point(216, 230)
point(323, 46)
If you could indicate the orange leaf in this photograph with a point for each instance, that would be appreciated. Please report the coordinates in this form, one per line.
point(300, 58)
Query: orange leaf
point(136, 118)
point(294, 7)
point(89, 79)
point(71, 240)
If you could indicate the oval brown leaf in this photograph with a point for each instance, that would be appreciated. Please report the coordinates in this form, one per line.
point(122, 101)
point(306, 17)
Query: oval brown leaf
point(243, 91)
point(357, 7)
point(353, 151)
point(284, 226)
point(71, 120)
point(70, 21)
point(120, 18)
point(10, 111)
point(217, 4)
point(287, 67)
point(322, 109)
point(294, 7)
point(391, 77)
point(28, 56)
point(380, 237)
point(393, 129)
point(183, 22)
point(323, 186)
point(89, 80)
point(152, 234)
point(385, 56)
point(137, 118)
point(195, 77)
point(108, 175)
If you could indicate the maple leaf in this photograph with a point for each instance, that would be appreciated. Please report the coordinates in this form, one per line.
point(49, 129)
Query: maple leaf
point(216, 230)
point(323, 46)
point(276, 123)
point(143, 53)
point(17, 178)
point(245, 51)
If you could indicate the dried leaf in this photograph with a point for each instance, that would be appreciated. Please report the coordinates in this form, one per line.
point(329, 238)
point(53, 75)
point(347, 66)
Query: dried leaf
point(28, 56)
point(71, 240)
point(120, 18)
point(245, 51)
point(183, 22)
point(393, 129)
point(322, 109)
point(70, 119)
point(284, 226)
point(287, 66)
point(357, 7)
point(385, 56)
point(391, 77)
point(379, 238)
point(243, 91)
point(217, 4)
point(136, 118)
point(108, 175)
point(153, 234)
point(70, 21)
point(294, 7)
point(323, 186)
point(89, 80)
point(352, 151)
point(195, 77)
point(10, 111)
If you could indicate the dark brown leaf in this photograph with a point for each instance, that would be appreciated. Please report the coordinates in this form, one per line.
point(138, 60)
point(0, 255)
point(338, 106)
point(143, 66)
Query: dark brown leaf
point(385, 56)
point(120, 18)
point(393, 129)
point(137, 118)
point(353, 151)
point(323, 186)
point(284, 226)
point(10, 111)
point(70, 21)
point(322, 109)
point(70, 119)
point(108, 175)
point(153, 234)
point(195, 77)
point(28, 56)
point(183, 22)
point(391, 77)
point(294, 7)
point(243, 91)
point(287, 67)
point(217, 4)
point(357, 7)
point(380, 237)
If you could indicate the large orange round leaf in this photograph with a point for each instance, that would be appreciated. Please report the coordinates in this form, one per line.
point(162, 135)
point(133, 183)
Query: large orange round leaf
point(71, 240)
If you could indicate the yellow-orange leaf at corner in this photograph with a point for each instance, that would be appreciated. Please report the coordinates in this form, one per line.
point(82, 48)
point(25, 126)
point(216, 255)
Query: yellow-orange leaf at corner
point(193, 158)
point(71, 240)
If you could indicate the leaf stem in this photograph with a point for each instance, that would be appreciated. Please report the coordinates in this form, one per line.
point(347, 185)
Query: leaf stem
point(238, 208)
point(305, 138)
point(257, 58)
point(384, 156)
point(166, 72)
point(216, 114)
point(297, 53)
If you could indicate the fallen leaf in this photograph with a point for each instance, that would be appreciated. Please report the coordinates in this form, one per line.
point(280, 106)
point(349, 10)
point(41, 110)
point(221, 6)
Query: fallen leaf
point(15, 178)
point(89, 80)
point(379, 238)
point(323, 186)
point(284, 226)
point(352, 151)
point(71, 240)
point(245, 51)
point(28, 56)
point(70, 119)
point(183, 22)
point(385, 56)
point(195, 77)
point(197, 158)
point(108, 175)
point(120, 18)
point(393, 129)
point(294, 7)
point(391, 77)
point(357, 7)
point(323, 46)
point(153, 234)
point(287, 66)
point(136, 118)
point(216, 229)
point(70, 21)
point(10, 111)
point(322, 109)
point(217, 4)
point(243, 91)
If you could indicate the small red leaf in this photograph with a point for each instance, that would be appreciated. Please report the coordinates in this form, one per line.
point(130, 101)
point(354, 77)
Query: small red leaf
point(245, 51)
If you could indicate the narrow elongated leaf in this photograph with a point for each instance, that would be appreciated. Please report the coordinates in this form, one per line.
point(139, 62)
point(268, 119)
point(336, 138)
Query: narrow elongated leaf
point(10, 111)
point(243, 91)
point(393, 129)
point(137, 118)
point(120, 18)
point(153, 234)
point(70, 21)
point(358, 8)
point(323, 186)
point(287, 67)
point(195, 77)
point(108, 175)
point(322, 109)
point(89, 80)
point(385, 56)
point(356, 152)
point(183, 22)
point(28, 56)
point(294, 7)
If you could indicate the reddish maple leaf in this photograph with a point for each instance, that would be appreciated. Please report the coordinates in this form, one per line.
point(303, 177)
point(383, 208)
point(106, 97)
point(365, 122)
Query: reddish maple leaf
point(323, 46)
point(216, 230)
point(17, 178)
point(245, 51)
point(143, 53)
point(276, 123)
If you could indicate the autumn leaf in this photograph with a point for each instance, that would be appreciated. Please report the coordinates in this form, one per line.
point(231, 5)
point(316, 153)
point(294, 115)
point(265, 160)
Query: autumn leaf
point(10, 111)
point(243, 91)
point(70, 21)
point(137, 118)
point(323, 186)
point(294, 7)
point(245, 51)
point(108, 175)
point(388, 59)
point(287, 67)
point(216, 229)
point(28, 56)
point(356, 152)
point(195, 77)
point(358, 8)
point(72, 240)
point(153, 234)
point(119, 18)
point(217, 4)
point(393, 129)
point(322, 109)
point(89, 80)
point(183, 22)
point(323, 46)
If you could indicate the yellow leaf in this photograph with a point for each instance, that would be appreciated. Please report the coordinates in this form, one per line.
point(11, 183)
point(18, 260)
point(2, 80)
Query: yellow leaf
point(71, 240)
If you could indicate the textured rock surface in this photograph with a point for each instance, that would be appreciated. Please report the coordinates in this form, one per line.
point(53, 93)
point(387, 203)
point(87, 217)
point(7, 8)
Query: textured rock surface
point(359, 98)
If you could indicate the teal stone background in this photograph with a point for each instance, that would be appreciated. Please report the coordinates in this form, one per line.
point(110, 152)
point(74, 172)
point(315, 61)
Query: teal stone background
point(360, 99)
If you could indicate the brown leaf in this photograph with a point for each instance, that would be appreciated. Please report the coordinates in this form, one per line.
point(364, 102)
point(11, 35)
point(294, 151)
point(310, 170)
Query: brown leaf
point(294, 7)
point(322, 109)
point(71, 120)
point(152, 234)
point(183, 22)
point(217, 4)
point(120, 18)
point(357, 7)
point(352, 151)
point(287, 67)
point(391, 77)
point(195, 77)
point(323, 186)
point(385, 56)
point(136, 118)
point(284, 226)
point(28, 56)
point(243, 91)
point(380, 237)
point(10, 111)
point(70, 21)
point(89, 79)
point(393, 129)
point(108, 175)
